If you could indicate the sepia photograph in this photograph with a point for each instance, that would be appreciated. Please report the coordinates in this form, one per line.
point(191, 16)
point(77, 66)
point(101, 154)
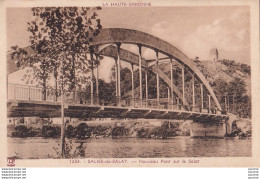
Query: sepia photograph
point(119, 81)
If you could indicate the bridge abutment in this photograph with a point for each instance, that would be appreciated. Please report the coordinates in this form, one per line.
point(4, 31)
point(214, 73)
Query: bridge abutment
point(230, 121)
point(213, 128)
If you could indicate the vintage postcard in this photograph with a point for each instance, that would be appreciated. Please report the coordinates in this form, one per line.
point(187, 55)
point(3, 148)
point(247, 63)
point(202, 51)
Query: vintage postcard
point(130, 84)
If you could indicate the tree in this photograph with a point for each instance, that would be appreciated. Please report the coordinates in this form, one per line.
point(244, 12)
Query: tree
point(237, 87)
point(220, 87)
point(60, 39)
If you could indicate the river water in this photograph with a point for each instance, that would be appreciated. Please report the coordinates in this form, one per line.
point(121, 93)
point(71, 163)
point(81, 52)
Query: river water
point(36, 147)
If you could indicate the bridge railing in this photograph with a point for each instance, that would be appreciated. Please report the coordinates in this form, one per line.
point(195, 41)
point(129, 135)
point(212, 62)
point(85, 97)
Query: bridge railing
point(33, 93)
point(23, 92)
point(150, 103)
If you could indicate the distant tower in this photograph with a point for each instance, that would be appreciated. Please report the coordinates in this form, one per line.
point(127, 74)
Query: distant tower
point(214, 54)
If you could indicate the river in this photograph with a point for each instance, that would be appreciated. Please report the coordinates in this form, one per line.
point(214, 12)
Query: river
point(42, 148)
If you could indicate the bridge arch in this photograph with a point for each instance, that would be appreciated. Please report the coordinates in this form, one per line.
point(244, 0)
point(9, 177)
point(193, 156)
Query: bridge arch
point(128, 36)
point(130, 57)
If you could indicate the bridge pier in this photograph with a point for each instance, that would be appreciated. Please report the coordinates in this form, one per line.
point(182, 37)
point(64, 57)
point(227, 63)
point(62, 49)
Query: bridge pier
point(201, 97)
point(118, 74)
point(183, 83)
point(171, 83)
point(146, 89)
point(140, 75)
point(132, 81)
point(97, 90)
point(208, 128)
point(157, 81)
point(193, 91)
point(92, 75)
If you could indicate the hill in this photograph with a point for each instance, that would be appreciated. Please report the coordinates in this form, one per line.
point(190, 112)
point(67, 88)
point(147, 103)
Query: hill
point(227, 70)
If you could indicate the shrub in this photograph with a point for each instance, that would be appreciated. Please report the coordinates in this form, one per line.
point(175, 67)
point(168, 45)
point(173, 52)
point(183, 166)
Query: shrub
point(70, 132)
point(49, 131)
point(101, 130)
point(246, 69)
point(21, 131)
point(119, 131)
point(142, 133)
point(82, 131)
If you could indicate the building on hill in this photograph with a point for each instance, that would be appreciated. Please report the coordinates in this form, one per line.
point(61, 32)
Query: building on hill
point(214, 54)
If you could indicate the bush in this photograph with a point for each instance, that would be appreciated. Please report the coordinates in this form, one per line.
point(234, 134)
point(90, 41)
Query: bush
point(82, 131)
point(49, 131)
point(21, 131)
point(142, 133)
point(164, 131)
point(70, 131)
point(119, 131)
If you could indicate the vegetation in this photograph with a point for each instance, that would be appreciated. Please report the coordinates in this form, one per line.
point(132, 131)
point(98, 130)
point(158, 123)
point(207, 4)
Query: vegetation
point(166, 130)
point(59, 39)
point(233, 66)
point(239, 100)
point(230, 85)
point(51, 131)
point(82, 131)
point(119, 131)
point(235, 93)
point(23, 131)
point(241, 131)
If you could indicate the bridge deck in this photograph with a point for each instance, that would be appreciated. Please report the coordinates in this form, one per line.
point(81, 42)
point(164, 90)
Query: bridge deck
point(25, 108)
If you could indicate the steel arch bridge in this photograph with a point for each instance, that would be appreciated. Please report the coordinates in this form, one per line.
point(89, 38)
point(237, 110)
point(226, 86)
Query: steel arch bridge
point(126, 36)
point(108, 43)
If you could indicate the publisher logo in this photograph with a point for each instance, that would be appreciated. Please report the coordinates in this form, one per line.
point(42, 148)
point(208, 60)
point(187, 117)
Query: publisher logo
point(10, 162)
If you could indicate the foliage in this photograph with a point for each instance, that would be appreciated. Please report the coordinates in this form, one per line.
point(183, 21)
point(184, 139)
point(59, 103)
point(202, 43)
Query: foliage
point(232, 66)
point(142, 133)
point(82, 131)
point(70, 131)
point(102, 130)
point(23, 131)
point(246, 69)
point(119, 131)
point(235, 93)
point(60, 38)
point(51, 131)
point(237, 87)
point(165, 131)
point(107, 93)
point(241, 133)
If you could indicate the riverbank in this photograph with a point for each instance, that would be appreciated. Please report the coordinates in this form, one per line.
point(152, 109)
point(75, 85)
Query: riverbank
point(114, 129)
point(155, 129)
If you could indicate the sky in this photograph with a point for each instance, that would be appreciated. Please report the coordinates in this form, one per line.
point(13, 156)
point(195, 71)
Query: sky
point(193, 30)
